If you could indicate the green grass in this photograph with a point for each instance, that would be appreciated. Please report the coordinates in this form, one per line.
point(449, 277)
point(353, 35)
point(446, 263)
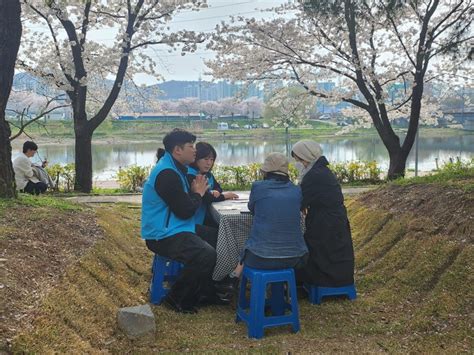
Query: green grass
point(49, 201)
point(146, 130)
point(414, 290)
point(457, 174)
point(107, 191)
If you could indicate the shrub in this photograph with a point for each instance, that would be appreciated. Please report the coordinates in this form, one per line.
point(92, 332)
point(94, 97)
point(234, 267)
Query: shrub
point(458, 167)
point(241, 177)
point(356, 171)
point(63, 176)
point(459, 174)
point(132, 177)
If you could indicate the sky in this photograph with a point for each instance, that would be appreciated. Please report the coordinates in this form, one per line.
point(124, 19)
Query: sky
point(174, 66)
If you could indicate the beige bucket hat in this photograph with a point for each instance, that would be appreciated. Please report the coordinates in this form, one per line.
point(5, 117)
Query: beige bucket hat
point(276, 163)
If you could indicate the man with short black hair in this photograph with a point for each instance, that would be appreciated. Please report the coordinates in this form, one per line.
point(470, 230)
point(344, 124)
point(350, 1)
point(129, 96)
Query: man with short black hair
point(24, 175)
point(169, 203)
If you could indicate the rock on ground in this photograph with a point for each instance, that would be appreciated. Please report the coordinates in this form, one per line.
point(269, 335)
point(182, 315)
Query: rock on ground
point(136, 321)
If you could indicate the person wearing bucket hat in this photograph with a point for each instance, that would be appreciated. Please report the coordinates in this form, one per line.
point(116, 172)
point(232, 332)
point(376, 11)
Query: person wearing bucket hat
point(328, 234)
point(275, 240)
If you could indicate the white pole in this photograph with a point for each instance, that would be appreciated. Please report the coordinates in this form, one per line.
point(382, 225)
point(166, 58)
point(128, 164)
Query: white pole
point(416, 149)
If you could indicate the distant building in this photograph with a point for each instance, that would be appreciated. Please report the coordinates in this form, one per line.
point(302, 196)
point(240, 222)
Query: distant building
point(160, 117)
point(233, 117)
point(468, 124)
point(206, 90)
point(322, 106)
point(459, 116)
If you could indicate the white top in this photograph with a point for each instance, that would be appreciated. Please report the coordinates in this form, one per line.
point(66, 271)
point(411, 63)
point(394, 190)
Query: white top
point(23, 171)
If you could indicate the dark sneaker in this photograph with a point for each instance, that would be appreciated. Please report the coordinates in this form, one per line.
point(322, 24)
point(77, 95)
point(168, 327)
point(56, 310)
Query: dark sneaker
point(226, 285)
point(215, 300)
point(170, 303)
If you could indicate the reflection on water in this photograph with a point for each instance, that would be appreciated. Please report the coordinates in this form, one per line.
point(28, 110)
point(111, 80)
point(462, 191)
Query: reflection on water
point(108, 158)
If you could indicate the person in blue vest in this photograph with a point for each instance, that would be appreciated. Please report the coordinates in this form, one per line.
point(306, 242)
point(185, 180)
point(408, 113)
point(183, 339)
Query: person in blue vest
point(205, 158)
point(168, 227)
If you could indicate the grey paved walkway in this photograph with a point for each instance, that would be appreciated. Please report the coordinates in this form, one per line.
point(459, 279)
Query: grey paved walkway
point(137, 199)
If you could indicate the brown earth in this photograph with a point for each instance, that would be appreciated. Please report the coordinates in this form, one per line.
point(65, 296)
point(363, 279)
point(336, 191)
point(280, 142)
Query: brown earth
point(437, 209)
point(36, 245)
point(413, 244)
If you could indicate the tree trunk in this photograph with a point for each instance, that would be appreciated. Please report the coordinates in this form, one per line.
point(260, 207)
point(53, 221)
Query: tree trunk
point(398, 161)
point(83, 160)
point(7, 176)
point(10, 35)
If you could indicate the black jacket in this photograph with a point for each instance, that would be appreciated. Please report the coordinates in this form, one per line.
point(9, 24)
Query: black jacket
point(328, 234)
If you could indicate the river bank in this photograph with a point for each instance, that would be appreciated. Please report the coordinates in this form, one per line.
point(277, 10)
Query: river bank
point(61, 133)
point(243, 147)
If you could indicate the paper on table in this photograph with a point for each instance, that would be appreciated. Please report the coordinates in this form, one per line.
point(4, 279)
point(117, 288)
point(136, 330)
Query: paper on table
point(231, 207)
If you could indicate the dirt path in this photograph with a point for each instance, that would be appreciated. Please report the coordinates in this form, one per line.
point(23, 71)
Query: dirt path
point(137, 198)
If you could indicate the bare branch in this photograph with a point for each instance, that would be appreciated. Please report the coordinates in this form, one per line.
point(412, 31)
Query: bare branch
point(402, 74)
point(323, 95)
point(449, 45)
point(433, 33)
point(149, 43)
point(399, 36)
point(55, 41)
point(123, 64)
point(344, 55)
point(108, 14)
point(85, 23)
point(23, 126)
point(401, 104)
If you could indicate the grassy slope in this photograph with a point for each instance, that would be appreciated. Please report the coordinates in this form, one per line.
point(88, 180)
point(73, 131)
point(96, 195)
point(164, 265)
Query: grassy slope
point(414, 283)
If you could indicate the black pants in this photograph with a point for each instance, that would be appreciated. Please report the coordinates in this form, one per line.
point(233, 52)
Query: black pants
point(35, 188)
point(198, 254)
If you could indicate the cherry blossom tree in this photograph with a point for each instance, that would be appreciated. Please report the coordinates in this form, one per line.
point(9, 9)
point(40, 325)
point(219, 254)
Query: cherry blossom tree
point(252, 107)
point(67, 56)
point(211, 109)
point(10, 34)
point(134, 99)
point(366, 46)
point(187, 106)
point(168, 106)
point(29, 107)
point(290, 107)
point(229, 106)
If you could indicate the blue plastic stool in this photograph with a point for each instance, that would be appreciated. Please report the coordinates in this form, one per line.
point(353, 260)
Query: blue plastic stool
point(317, 293)
point(253, 312)
point(163, 270)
